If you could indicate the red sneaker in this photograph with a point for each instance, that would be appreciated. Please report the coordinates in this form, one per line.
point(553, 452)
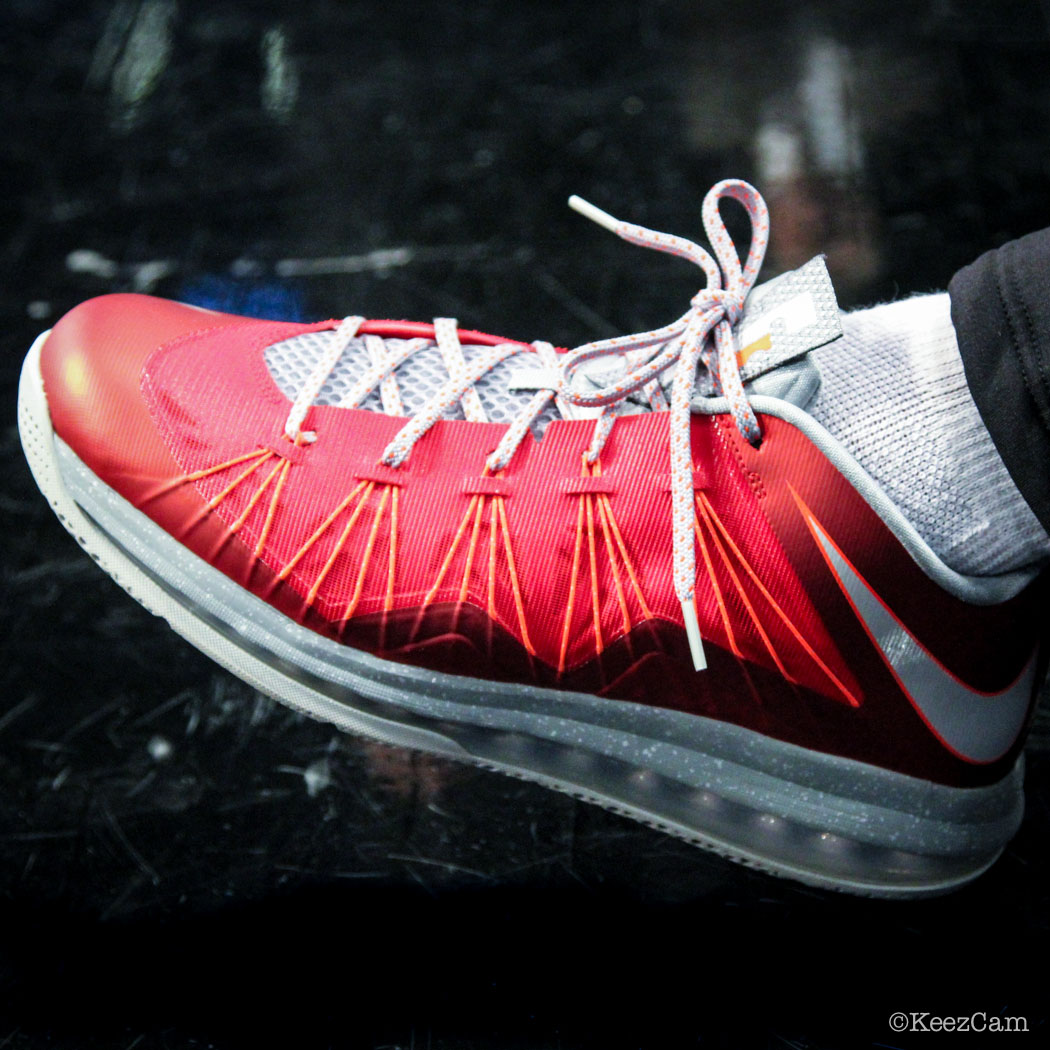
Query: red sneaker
point(678, 597)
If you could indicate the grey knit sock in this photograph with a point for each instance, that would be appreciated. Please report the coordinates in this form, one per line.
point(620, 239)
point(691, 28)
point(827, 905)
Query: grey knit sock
point(894, 393)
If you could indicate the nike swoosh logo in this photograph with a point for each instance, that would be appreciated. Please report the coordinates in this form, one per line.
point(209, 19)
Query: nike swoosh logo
point(978, 727)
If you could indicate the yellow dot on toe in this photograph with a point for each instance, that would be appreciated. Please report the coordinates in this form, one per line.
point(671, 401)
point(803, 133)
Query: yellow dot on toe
point(75, 375)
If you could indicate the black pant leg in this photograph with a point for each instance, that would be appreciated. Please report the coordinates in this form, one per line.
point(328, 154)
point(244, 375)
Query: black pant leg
point(1001, 313)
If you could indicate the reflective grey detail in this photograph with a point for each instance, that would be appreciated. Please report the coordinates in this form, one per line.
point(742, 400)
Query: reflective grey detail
point(976, 726)
point(978, 590)
point(594, 740)
point(796, 312)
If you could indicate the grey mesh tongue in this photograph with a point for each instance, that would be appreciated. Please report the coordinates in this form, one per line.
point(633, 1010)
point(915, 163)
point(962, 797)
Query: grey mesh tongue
point(786, 317)
point(783, 320)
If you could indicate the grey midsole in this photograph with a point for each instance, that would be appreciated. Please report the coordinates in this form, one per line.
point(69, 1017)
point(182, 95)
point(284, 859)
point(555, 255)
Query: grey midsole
point(824, 792)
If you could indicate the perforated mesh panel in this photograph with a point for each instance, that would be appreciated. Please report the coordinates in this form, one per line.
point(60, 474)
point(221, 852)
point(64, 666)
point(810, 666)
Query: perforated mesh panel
point(291, 361)
point(893, 391)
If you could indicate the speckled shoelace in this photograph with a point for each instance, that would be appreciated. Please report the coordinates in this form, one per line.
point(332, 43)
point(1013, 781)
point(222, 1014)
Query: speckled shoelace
point(703, 334)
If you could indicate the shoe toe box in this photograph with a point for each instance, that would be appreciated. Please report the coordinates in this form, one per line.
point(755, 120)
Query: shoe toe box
point(92, 363)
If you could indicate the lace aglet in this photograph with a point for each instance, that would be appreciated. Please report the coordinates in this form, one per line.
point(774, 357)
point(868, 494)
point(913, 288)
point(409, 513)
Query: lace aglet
point(692, 633)
point(595, 214)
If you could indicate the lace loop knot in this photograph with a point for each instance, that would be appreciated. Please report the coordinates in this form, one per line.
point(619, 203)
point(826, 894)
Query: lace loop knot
point(702, 335)
point(730, 301)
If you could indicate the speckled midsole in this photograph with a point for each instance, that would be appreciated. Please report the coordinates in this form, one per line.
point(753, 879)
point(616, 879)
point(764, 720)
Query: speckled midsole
point(832, 820)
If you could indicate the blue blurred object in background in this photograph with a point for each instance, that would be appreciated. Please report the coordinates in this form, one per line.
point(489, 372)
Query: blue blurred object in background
point(245, 296)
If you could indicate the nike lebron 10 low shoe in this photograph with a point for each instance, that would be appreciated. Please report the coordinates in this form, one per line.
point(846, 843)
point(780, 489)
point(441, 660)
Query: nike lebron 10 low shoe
point(638, 571)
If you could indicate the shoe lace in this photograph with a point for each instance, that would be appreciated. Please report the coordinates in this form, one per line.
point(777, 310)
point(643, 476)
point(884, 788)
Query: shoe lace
point(703, 335)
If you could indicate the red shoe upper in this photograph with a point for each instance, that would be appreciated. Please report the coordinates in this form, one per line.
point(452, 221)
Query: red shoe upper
point(550, 572)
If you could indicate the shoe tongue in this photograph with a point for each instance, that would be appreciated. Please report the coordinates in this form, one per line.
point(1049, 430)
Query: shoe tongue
point(783, 320)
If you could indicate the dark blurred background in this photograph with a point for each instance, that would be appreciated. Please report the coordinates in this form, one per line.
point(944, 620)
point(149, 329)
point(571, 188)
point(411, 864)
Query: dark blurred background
point(186, 863)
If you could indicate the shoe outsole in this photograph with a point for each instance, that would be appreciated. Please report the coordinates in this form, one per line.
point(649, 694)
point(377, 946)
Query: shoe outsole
point(808, 827)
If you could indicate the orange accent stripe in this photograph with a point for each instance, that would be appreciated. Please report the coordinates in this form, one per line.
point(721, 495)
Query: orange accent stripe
point(762, 343)
point(320, 531)
point(707, 513)
point(572, 587)
point(174, 483)
point(258, 453)
point(389, 603)
point(216, 500)
point(599, 645)
point(492, 560)
point(451, 553)
point(610, 553)
point(604, 499)
point(606, 505)
point(256, 496)
point(716, 588)
point(273, 508)
point(366, 557)
point(471, 550)
point(811, 523)
point(340, 543)
point(518, 604)
point(780, 612)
